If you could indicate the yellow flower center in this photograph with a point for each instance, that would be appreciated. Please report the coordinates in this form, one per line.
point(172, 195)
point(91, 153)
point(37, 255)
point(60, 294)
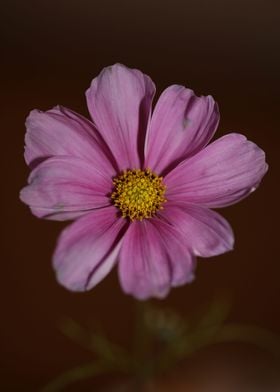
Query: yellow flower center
point(138, 193)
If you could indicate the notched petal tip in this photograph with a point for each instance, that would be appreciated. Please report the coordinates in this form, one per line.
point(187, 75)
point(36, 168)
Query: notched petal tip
point(119, 102)
point(223, 173)
point(205, 231)
point(23, 195)
point(181, 125)
point(154, 257)
point(64, 187)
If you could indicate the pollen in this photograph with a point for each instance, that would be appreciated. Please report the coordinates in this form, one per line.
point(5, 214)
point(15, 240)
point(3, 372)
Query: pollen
point(138, 194)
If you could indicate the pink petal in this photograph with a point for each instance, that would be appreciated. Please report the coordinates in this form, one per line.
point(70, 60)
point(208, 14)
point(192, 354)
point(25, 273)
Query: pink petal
point(206, 232)
point(181, 125)
point(225, 172)
point(65, 187)
point(182, 262)
point(119, 101)
point(152, 259)
point(88, 249)
point(60, 131)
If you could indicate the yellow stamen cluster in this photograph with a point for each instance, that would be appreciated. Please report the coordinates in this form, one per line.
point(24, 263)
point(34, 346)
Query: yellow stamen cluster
point(138, 193)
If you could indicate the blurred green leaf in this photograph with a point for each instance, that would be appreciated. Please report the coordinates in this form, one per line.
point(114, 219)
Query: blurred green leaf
point(77, 374)
point(215, 313)
point(106, 350)
point(162, 339)
point(250, 334)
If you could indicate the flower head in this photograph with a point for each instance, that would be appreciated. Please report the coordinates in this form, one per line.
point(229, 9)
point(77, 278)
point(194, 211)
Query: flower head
point(138, 194)
point(138, 184)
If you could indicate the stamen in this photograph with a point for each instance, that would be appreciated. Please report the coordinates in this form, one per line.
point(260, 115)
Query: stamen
point(138, 193)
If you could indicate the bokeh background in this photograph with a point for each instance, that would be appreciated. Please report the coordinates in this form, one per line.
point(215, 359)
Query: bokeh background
point(50, 51)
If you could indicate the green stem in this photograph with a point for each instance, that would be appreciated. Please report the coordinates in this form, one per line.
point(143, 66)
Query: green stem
point(142, 361)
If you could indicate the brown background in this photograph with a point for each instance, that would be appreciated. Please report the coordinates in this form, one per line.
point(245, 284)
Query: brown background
point(50, 52)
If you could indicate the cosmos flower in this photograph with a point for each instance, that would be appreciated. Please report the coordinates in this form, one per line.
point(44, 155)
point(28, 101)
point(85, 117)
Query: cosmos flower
point(139, 185)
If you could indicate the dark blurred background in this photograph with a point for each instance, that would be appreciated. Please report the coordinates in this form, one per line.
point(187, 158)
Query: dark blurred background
point(50, 51)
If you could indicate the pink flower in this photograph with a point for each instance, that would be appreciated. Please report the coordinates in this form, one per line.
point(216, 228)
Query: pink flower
point(139, 185)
